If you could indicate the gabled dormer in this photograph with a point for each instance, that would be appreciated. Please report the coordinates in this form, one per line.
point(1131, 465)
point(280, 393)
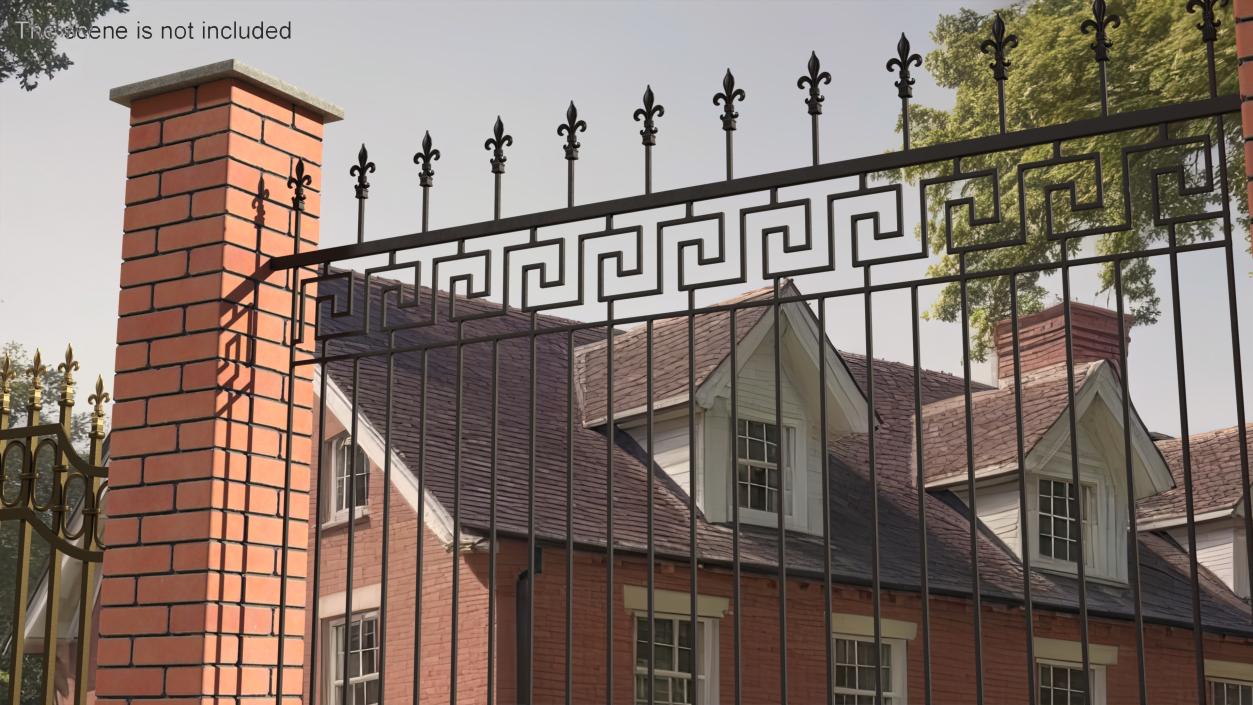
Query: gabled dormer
point(1054, 504)
point(763, 460)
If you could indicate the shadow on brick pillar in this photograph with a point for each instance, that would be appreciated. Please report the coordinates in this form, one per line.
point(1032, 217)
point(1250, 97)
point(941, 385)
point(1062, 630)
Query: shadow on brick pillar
point(192, 581)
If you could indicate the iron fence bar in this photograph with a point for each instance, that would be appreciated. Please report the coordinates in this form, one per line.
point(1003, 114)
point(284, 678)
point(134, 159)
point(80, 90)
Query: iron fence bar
point(1077, 509)
point(1089, 127)
point(569, 680)
point(610, 436)
point(90, 569)
point(737, 645)
point(350, 584)
point(920, 479)
point(455, 612)
point(424, 375)
point(1133, 531)
point(21, 585)
point(57, 508)
point(384, 588)
point(691, 500)
point(1198, 639)
point(491, 531)
point(572, 126)
point(426, 175)
point(976, 589)
point(316, 514)
point(781, 506)
point(1024, 525)
point(648, 134)
point(834, 293)
point(532, 566)
point(650, 405)
point(901, 63)
point(814, 79)
point(823, 440)
point(876, 594)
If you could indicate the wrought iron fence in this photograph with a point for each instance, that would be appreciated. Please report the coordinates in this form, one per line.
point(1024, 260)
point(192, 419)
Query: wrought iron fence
point(50, 506)
point(424, 370)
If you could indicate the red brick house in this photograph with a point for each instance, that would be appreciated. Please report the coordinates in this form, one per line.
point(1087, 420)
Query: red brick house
point(429, 479)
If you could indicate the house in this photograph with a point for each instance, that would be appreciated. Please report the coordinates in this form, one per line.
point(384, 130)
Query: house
point(450, 480)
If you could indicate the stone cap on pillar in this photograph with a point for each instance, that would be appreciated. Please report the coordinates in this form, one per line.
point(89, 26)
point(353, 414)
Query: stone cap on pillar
point(230, 68)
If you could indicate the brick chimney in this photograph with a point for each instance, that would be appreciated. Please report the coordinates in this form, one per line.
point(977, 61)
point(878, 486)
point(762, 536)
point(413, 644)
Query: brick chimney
point(1042, 338)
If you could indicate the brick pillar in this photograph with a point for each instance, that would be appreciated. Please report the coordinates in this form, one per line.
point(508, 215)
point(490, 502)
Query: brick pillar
point(190, 598)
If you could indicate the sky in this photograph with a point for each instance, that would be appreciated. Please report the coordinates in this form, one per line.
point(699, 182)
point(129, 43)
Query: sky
point(399, 69)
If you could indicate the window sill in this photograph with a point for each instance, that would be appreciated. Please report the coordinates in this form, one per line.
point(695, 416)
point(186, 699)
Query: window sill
point(341, 520)
point(1043, 565)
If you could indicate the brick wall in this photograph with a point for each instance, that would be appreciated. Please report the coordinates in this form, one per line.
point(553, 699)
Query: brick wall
point(193, 576)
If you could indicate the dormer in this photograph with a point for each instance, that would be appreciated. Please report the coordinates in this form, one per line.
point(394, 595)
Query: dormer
point(762, 459)
point(1054, 504)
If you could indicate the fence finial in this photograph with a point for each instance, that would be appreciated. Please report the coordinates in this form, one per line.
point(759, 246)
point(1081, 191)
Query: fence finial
point(36, 371)
point(651, 110)
point(1100, 23)
point(727, 99)
point(299, 182)
point(572, 125)
point(1209, 21)
point(901, 63)
point(68, 368)
point(363, 167)
point(426, 175)
point(6, 388)
point(98, 400)
point(999, 44)
point(496, 145)
point(814, 79)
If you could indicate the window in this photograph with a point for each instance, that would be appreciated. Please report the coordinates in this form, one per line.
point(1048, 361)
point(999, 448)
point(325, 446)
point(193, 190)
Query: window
point(363, 665)
point(1059, 533)
point(342, 493)
point(760, 484)
point(1226, 692)
point(855, 678)
point(1063, 684)
point(673, 660)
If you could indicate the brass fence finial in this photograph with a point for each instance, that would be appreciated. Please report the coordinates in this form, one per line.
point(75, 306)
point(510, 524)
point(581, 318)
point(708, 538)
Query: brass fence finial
point(98, 400)
point(6, 389)
point(68, 368)
point(35, 401)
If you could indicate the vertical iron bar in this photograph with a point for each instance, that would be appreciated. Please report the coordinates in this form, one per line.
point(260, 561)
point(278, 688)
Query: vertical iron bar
point(648, 168)
point(569, 183)
point(813, 137)
point(691, 482)
point(387, 507)
point(491, 527)
point(92, 514)
point(316, 513)
point(21, 588)
point(496, 199)
point(780, 506)
point(1133, 532)
point(610, 443)
point(454, 615)
point(532, 545)
point(825, 465)
point(921, 481)
point(355, 439)
point(57, 508)
point(1076, 498)
point(730, 155)
point(423, 372)
point(875, 567)
point(1198, 638)
point(976, 588)
point(737, 646)
point(569, 517)
point(648, 487)
point(1023, 524)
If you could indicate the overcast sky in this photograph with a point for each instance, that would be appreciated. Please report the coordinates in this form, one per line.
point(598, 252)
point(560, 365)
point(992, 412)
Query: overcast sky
point(401, 68)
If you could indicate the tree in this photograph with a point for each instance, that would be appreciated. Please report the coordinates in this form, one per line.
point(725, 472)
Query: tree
point(1157, 58)
point(27, 54)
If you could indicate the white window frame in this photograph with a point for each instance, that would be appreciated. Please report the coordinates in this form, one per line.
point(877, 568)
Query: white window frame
point(335, 659)
point(706, 636)
point(1211, 682)
point(794, 475)
point(899, 665)
point(1100, 533)
point(1096, 680)
point(331, 514)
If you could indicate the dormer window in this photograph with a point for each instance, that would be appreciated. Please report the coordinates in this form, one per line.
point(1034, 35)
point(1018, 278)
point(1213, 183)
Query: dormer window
point(1059, 530)
point(761, 484)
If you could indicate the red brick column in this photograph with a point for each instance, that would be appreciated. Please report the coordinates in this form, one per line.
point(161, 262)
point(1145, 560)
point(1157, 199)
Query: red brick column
point(193, 573)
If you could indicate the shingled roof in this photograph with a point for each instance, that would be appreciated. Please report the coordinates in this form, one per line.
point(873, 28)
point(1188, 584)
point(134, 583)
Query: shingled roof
point(461, 479)
point(1216, 477)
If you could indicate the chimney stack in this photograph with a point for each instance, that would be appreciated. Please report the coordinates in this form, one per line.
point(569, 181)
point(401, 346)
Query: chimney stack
point(1042, 338)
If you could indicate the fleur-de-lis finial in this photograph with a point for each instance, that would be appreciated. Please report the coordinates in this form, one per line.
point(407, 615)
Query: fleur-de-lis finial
point(1100, 23)
point(426, 175)
point(1209, 20)
point(813, 79)
point(572, 125)
point(98, 400)
point(999, 45)
point(496, 145)
point(299, 182)
point(363, 167)
point(6, 383)
point(67, 369)
point(727, 99)
point(901, 63)
point(37, 370)
point(651, 110)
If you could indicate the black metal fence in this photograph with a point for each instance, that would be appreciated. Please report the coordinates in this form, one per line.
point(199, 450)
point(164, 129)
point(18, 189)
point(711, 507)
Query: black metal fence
point(508, 459)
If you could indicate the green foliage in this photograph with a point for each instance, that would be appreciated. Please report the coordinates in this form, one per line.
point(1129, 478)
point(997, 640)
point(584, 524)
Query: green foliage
point(1158, 58)
point(26, 56)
